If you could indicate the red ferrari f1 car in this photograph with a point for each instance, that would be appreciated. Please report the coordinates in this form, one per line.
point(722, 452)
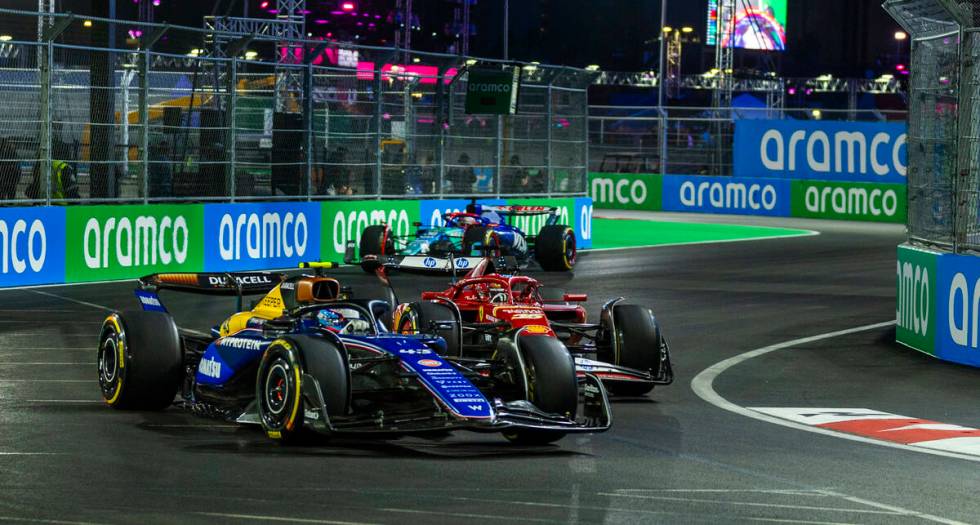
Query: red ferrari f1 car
point(477, 314)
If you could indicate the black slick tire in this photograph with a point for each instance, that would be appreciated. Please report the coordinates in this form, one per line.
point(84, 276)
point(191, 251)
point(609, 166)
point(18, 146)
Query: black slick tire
point(280, 391)
point(477, 236)
point(555, 248)
point(140, 360)
point(551, 383)
point(375, 240)
point(638, 337)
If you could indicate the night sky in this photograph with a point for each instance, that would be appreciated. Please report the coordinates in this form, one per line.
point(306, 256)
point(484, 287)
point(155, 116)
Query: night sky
point(841, 37)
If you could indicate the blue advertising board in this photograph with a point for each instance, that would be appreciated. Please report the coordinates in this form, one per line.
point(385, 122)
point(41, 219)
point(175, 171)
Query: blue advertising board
point(957, 309)
point(32, 245)
point(821, 150)
point(583, 222)
point(726, 195)
point(260, 236)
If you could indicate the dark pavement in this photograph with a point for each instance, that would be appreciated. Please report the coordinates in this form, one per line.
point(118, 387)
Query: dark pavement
point(669, 458)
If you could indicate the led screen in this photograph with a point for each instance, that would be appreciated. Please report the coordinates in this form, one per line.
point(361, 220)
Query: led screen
point(756, 24)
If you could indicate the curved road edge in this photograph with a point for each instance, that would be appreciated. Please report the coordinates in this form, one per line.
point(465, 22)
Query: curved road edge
point(703, 386)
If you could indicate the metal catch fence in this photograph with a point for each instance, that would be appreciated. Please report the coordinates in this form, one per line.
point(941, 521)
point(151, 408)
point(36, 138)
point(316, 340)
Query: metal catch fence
point(103, 111)
point(944, 121)
point(693, 141)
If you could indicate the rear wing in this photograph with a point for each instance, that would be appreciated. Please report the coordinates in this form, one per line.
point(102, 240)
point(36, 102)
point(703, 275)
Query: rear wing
point(206, 283)
point(520, 210)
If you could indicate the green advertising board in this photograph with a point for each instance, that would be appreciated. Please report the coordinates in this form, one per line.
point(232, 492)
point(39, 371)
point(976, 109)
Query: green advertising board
point(626, 191)
point(849, 201)
point(492, 91)
point(915, 311)
point(343, 221)
point(120, 242)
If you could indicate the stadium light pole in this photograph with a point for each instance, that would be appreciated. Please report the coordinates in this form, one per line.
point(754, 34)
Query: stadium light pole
point(660, 68)
point(506, 29)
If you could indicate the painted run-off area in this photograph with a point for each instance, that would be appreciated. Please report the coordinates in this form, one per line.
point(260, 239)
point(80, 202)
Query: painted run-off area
point(627, 233)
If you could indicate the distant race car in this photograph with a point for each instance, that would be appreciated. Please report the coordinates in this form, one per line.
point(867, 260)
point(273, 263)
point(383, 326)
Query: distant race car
point(626, 349)
point(308, 358)
point(468, 236)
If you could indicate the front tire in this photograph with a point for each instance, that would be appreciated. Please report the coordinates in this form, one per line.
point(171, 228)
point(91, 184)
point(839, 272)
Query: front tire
point(279, 387)
point(638, 337)
point(375, 240)
point(278, 392)
point(140, 360)
point(551, 383)
point(555, 248)
point(481, 236)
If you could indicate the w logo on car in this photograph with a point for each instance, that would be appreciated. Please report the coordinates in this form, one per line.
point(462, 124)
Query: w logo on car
point(429, 262)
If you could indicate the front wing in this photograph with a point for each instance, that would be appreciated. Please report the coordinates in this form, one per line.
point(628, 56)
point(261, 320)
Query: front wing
point(425, 263)
point(594, 415)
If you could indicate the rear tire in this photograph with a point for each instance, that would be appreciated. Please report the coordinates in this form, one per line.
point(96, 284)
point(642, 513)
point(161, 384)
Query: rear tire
point(140, 360)
point(375, 240)
point(555, 248)
point(638, 336)
point(552, 385)
point(478, 236)
point(416, 317)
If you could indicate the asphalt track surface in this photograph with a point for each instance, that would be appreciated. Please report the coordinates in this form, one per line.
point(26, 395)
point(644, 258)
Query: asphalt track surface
point(669, 458)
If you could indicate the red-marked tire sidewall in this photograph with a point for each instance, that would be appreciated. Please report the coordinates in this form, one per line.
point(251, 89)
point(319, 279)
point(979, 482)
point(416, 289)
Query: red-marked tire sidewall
point(278, 392)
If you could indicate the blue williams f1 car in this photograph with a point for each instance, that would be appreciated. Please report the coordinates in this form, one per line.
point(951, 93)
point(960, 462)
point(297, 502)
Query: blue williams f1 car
point(466, 237)
point(308, 359)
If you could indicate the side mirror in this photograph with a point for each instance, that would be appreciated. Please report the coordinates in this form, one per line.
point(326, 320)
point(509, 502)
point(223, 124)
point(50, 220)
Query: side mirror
point(575, 297)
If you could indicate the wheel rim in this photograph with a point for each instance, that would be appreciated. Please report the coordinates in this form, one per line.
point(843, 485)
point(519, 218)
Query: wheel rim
point(570, 251)
point(277, 388)
point(108, 362)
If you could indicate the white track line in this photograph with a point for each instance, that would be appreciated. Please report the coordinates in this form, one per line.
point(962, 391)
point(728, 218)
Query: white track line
point(464, 515)
point(703, 386)
point(42, 520)
point(279, 518)
point(69, 299)
point(755, 504)
point(72, 363)
point(65, 401)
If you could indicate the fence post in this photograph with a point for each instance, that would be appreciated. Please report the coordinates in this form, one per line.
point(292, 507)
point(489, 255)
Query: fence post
point(308, 123)
point(448, 118)
point(585, 121)
point(498, 173)
point(548, 125)
point(230, 118)
point(378, 97)
point(663, 141)
point(144, 124)
point(45, 143)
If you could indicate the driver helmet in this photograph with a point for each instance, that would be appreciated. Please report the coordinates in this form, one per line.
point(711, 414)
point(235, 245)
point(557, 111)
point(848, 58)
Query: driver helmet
point(466, 221)
point(331, 320)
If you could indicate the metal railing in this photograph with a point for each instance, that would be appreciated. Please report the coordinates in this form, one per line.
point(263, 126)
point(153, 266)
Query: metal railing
point(99, 110)
point(691, 141)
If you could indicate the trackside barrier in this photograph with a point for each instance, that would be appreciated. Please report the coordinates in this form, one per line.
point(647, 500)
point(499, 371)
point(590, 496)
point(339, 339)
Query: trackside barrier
point(54, 245)
point(938, 307)
point(750, 196)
